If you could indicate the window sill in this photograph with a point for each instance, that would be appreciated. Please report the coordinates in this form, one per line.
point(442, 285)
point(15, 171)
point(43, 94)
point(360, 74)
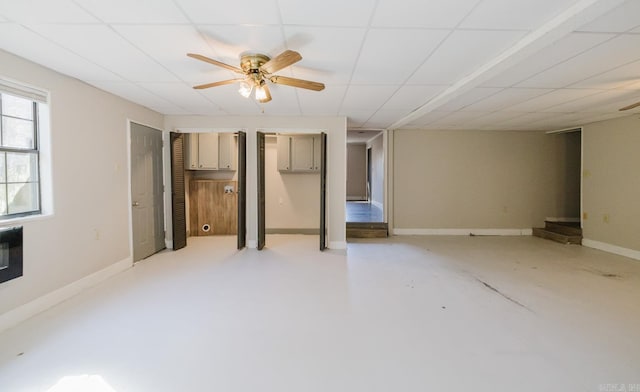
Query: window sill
point(24, 219)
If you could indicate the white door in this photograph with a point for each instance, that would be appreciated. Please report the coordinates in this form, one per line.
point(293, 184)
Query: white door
point(147, 209)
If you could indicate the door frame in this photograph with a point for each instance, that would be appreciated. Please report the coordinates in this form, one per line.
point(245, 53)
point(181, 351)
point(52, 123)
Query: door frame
point(129, 188)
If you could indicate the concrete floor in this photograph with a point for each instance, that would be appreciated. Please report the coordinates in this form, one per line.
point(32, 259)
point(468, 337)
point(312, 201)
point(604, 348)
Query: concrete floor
point(398, 314)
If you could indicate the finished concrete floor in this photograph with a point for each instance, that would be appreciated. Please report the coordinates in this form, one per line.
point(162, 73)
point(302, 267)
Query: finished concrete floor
point(398, 314)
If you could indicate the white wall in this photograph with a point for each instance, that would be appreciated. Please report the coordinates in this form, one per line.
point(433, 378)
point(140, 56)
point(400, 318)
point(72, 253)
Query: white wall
point(89, 229)
point(356, 171)
point(335, 127)
point(377, 169)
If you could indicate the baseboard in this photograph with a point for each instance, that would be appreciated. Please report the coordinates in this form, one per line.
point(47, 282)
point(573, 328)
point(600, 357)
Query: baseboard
point(377, 204)
point(561, 219)
point(168, 244)
point(337, 245)
point(292, 231)
point(39, 305)
point(500, 232)
point(252, 244)
point(356, 198)
point(618, 250)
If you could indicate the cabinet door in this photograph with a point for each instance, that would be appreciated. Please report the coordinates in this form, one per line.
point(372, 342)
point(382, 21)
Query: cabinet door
point(208, 151)
point(302, 153)
point(191, 151)
point(226, 151)
point(317, 152)
point(284, 153)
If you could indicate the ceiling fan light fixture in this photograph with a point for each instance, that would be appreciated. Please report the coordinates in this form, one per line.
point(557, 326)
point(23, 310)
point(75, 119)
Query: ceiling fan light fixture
point(245, 89)
point(261, 94)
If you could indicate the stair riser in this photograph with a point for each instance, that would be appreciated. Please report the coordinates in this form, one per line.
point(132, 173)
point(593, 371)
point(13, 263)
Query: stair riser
point(562, 229)
point(557, 237)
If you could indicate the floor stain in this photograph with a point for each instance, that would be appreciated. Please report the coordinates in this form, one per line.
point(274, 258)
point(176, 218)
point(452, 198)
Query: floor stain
point(487, 285)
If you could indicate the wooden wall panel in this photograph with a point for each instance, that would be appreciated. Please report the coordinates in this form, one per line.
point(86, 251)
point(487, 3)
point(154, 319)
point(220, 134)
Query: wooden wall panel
point(210, 205)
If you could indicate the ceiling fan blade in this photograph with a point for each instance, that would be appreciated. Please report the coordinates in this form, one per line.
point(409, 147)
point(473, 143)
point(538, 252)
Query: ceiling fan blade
point(284, 59)
point(214, 62)
point(634, 105)
point(220, 83)
point(267, 93)
point(309, 85)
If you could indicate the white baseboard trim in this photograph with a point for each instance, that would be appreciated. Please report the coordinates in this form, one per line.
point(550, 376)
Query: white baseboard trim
point(337, 244)
point(501, 232)
point(618, 250)
point(377, 204)
point(14, 317)
point(561, 219)
point(252, 244)
point(168, 244)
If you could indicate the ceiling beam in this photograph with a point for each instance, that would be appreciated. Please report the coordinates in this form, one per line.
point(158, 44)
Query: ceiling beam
point(569, 20)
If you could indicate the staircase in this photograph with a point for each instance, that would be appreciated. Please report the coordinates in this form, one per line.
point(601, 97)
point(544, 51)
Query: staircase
point(563, 232)
point(367, 230)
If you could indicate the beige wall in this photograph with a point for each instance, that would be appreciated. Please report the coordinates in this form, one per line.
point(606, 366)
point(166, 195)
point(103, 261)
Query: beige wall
point(476, 179)
point(89, 229)
point(377, 169)
point(611, 182)
point(356, 171)
point(292, 200)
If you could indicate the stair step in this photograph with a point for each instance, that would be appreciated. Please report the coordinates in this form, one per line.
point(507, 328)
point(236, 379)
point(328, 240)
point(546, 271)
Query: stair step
point(566, 228)
point(557, 237)
point(367, 230)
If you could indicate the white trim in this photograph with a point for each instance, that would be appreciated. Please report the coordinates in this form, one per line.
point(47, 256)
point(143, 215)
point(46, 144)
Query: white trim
point(252, 244)
point(501, 232)
point(377, 204)
point(356, 198)
point(337, 244)
point(565, 130)
point(618, 250)
point(168, 243)
point(562, 219)
point(47, 301)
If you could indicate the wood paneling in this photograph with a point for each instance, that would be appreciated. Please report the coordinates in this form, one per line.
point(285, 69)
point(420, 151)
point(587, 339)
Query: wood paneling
point(210, 205)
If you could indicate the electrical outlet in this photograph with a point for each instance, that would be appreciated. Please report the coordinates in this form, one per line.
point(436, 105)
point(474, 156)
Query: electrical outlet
point(585, 216)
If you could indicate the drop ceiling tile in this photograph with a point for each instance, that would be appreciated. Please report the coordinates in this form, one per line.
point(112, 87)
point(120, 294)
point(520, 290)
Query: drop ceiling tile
point(230, 101)
point(45, 11)
point(597, 103)
point(620, 77)
point(513, 15)
point(553, 98)
point(322, 59)
point(384, 61)
point(470, 97)
point(382, 119)
point(620, 19)
point(561, 50)
point(605, 57)
point(326, 102)
point(228, 42)
point(351, 13)
point(366, 98)
point(357, 118)
point(411, 97)
point(506, 98)
point(284, 102)
point(462, 53)
point(429, 118)
point(113, 52)
point(169, 45)
point(25, 43)
point(495, 119)
point(263, 12)
point(458, 119)
point(182, 95)
point(3, 19)
point(139, 11)
point(135, 93)
point(419, 13)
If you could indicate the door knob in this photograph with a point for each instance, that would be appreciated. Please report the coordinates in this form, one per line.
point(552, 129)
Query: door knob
point(135, 204)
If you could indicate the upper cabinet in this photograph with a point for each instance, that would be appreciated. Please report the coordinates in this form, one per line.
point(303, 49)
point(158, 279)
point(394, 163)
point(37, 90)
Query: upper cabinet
point(299, 153)
point(210, 151)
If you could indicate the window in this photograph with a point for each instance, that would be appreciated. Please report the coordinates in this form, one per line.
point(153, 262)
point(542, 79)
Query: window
point(19, 156)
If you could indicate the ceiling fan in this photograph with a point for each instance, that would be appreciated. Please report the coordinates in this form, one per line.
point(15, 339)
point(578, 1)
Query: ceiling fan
point(256, 69)
point(633, 105)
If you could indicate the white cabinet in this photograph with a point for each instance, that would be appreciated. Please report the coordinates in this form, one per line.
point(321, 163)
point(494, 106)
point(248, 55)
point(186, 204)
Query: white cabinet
point(210, 151)
point(299, 153)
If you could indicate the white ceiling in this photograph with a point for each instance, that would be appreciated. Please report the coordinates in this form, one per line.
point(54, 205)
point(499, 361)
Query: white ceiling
point(424, 64)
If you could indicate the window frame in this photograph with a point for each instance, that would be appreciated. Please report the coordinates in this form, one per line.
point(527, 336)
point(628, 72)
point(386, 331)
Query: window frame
point(35, 150)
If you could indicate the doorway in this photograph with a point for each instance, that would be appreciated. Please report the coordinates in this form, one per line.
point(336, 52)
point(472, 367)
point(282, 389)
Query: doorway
point(147, 206)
